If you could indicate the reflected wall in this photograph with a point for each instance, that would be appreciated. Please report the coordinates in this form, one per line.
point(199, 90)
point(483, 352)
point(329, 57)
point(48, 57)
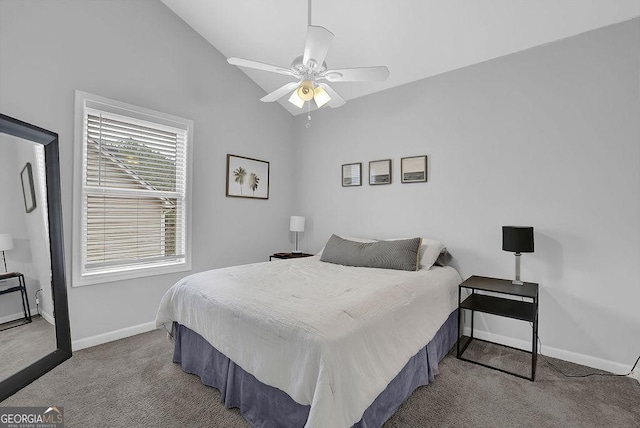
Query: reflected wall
point(22, 342)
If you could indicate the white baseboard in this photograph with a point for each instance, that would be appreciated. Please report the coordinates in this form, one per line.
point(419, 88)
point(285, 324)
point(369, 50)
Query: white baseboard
point(561, 354)
point(16, 316)
point(47, 316)
point(99, 339)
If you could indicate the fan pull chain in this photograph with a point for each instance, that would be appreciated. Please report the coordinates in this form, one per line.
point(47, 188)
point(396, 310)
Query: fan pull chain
point(308, 125)
point(309, 14)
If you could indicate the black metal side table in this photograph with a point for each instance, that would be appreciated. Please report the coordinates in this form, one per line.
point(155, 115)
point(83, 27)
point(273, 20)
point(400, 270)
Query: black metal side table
point(21, 287)
point(501, 306)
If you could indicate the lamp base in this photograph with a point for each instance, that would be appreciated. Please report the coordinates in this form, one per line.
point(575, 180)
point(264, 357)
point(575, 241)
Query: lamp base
point(517, 280)
point(296, 251)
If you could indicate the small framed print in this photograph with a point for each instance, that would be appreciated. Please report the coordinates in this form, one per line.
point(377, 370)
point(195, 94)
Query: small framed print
point(28, 189)
point(247, 177)
point(380, 172)
point(352, 174)
point(413, 169)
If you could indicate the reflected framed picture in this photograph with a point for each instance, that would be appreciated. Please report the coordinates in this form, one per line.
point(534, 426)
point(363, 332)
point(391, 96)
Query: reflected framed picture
point(380, 172)
point(247, 177)
point(352, 174)
point(413, 169)
point(28, 190)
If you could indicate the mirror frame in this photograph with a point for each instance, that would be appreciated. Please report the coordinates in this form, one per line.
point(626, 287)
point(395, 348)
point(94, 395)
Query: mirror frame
point(49, 140)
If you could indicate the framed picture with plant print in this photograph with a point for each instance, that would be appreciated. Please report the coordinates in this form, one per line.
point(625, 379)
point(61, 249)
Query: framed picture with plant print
point(28, 189)
point(247, 177)
point(380, 172)
point(413, 169)
point(352, 174)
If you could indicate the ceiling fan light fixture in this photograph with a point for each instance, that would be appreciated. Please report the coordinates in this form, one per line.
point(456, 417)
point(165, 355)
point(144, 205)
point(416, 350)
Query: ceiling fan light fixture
point(310, 68)
point(305, 90)
point(320, 96)
point(295, 99)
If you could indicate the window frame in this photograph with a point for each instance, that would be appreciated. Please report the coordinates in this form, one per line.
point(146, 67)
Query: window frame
point(83, 101)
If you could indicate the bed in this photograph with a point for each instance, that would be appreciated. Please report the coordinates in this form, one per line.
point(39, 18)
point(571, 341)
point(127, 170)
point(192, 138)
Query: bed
point(307, 343)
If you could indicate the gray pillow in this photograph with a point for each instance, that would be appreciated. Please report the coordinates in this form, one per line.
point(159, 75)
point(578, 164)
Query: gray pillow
point(401, 254)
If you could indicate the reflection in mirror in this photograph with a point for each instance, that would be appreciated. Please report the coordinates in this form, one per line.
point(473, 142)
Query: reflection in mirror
point(27, 331)
point(55, 280)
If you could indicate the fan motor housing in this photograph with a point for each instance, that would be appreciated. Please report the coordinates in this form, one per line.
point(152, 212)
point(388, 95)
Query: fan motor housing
point(299, 68)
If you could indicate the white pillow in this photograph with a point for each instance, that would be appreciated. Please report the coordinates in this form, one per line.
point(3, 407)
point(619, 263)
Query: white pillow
point(430, 249)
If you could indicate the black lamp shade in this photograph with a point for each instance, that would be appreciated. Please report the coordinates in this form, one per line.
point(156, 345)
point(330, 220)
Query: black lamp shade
point(517, 239)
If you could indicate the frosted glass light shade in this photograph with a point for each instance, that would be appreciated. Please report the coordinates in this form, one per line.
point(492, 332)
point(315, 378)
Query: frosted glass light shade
point(320, 96)
point(296, 224)
point(296, 100)
point(305, 90)
point(6, 241)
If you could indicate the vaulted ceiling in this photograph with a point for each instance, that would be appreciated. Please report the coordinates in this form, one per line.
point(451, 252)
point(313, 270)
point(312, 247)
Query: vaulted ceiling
point(414, 38)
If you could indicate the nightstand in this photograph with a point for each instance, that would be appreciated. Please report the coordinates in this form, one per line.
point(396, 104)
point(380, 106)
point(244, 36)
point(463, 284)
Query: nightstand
point(22, 288)
point(284, 256)
point(524, 310)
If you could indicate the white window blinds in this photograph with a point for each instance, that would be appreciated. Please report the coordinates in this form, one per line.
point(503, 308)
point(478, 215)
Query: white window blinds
point(133, 193)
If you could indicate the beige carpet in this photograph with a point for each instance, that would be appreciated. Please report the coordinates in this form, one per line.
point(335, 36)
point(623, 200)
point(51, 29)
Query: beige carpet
point(133, 383)
point(25, 344)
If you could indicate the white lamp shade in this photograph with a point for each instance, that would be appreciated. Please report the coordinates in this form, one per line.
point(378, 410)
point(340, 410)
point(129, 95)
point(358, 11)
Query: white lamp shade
point(6, 241)
point(296, 100)
point(305, 90)
point(321, 97)
point(296, 224)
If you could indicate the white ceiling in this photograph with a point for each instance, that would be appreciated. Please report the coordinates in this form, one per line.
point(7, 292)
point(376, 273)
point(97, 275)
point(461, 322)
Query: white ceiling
point(414, 38)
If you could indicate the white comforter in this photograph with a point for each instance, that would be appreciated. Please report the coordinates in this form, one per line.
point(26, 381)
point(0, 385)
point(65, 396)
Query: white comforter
point(328, 335)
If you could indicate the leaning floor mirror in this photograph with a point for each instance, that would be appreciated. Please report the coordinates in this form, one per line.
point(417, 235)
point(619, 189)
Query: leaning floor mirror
point(34, 315)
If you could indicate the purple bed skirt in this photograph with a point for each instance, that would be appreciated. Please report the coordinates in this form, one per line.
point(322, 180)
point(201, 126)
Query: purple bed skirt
point(265, 406)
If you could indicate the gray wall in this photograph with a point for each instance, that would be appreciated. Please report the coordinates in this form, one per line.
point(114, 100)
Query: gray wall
point(139, 52)
point(549, 137)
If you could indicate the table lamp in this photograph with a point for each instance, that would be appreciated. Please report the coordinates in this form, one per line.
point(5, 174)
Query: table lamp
point(517, 239)
point(6, 243)
point(296, 224)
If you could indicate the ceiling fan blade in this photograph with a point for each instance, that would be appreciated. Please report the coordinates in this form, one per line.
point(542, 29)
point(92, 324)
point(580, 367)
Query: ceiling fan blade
point(279, 93)
point(317, 45)
point(336, 100)
point(259, 66)
point(359, 74)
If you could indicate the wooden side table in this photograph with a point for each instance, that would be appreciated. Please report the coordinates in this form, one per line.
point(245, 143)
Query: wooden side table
point(21, 287)
point(285, 256)
point(501, 306)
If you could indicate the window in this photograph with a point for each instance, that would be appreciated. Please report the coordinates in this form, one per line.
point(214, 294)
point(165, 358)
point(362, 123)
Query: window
point(131, 191)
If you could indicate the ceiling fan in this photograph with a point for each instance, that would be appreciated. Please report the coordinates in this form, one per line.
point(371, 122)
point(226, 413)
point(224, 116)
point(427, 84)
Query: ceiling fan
point(311, 71)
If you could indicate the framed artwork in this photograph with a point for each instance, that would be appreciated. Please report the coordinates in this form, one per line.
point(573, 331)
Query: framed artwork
point(28, 190)
point(413, 169)
point(247, 177)
point(352, 174)
point(380, 172)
